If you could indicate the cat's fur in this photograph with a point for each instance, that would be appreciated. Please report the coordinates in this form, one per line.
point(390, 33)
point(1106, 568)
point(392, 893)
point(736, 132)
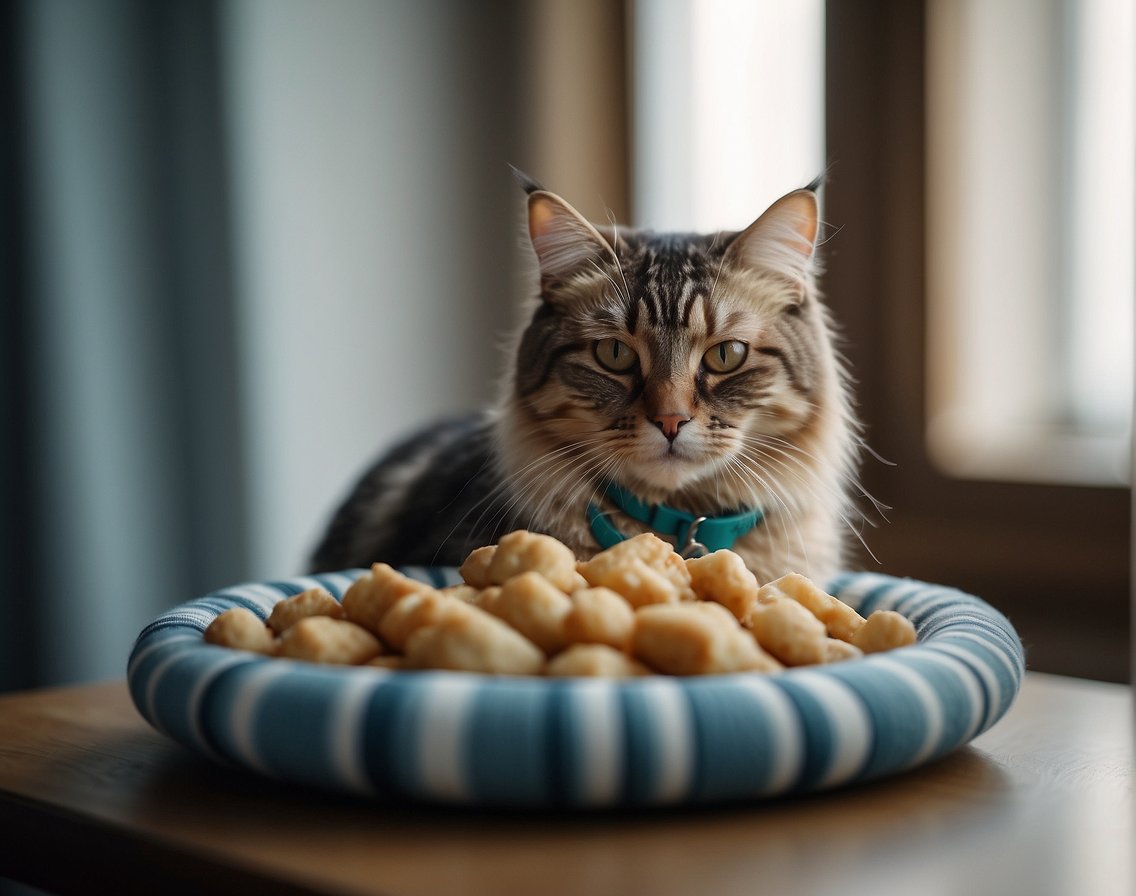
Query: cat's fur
point(777, 432)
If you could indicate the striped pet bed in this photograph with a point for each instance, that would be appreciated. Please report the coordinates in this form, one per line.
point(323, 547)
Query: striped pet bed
point(472, 739)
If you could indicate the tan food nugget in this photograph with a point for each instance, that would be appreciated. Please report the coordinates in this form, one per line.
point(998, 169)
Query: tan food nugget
point(524, 551)
point(465, 593)
point(372, 594)
point(312, 602)
point(390, 661)
point(241, 629)
point(594, 660)
point(475, 570)
point(840, 620)
point(724, 578)
point(647, 547)
point(651, 550)
point(473, 642)
point(837, 651)
point(673, 566)
point(599, 616)
point(487, 597)
point(536, 608)
point(884, 630)
point(414, 611)
point(579, 584)
point(715, 611)
point(692, 639)
point(630, 577)
point(789, 632)
point(321, 639)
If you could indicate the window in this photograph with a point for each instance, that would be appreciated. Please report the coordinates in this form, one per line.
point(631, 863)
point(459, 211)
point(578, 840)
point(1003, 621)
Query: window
point(1052, 555)
point(1031, 140)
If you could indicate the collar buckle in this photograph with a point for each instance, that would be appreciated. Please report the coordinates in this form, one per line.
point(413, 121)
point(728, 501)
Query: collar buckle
point(693, 547)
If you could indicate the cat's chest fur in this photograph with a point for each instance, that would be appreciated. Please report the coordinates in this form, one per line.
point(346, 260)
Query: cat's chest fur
point(696, 371)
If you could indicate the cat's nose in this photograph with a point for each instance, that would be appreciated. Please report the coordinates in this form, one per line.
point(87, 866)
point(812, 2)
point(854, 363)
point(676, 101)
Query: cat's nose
point(670, 424)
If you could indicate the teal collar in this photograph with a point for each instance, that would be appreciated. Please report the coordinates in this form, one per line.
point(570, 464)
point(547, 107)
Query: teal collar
point(694, 535)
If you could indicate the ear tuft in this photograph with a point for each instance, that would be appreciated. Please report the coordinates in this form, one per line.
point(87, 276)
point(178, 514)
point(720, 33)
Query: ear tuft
point(527, 183)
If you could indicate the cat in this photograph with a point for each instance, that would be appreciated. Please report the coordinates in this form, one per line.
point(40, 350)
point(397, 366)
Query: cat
point(662, 378)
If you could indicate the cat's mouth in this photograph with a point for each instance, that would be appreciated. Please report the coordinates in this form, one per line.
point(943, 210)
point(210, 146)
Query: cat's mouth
point(671, 465)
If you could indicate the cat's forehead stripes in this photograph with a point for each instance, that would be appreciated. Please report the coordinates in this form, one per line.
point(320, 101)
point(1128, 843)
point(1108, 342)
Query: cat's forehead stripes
point(667, 276)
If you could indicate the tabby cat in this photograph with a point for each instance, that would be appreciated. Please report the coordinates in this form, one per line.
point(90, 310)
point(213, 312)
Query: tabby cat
point(677, 383)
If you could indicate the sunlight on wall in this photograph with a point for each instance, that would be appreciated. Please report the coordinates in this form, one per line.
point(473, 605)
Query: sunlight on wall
point(729, 109)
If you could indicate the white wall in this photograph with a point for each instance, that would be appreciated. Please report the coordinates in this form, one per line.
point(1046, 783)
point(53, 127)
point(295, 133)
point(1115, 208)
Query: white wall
point(375, 238)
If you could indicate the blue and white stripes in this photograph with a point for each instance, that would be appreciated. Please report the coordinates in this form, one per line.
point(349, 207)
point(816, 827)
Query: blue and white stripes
point(472, 739)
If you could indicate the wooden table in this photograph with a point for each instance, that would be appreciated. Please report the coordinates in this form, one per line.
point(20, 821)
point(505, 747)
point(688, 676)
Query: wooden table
point(92, 799)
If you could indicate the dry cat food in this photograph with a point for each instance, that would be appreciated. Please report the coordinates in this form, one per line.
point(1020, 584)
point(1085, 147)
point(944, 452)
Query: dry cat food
point(528, 607)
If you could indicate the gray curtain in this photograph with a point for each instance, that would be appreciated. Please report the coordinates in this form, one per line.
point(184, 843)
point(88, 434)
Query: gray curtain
point(120, 459)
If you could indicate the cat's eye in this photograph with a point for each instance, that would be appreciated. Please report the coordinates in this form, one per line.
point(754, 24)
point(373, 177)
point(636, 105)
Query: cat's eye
point(725, 356)
point(616, 356)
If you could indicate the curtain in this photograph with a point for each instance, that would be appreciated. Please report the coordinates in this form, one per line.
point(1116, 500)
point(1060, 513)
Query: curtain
point(121, 473)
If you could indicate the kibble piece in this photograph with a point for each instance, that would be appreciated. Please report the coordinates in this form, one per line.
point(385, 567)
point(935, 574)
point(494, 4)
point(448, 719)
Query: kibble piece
point(473, 642)
point(717, 612)
point(370, 596)
point(321, 639)
point(465, 593)
point(723, 577)
point(241, 629)
point(475, 570)
point(391, 661)
point(523, 551)
point(840, 620)
point(536, 608)
point(789, 632)
point(415, 611)
point(487, 597)
point(693, 639)
point(599, 616)
point(590, 660)
point(638, 583)
point(673, 566)
point(884, 630)
point(312, 602)
point(837, 651)
point(657, 554)
point(647, 547)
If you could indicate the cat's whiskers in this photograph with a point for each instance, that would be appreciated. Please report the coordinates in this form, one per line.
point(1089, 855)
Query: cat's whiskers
point(504, 487)
point(582, 489)
point(541, 484)
point(811, 484)
point(610, 469)
point(796, 452)
point(783, 520)
point(801, 475)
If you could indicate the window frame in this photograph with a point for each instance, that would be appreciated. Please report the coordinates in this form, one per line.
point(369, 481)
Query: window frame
point(1054, 558)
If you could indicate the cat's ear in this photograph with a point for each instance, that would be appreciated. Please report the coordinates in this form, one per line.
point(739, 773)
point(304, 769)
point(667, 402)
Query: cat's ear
point(564, 241)
point(783, 240)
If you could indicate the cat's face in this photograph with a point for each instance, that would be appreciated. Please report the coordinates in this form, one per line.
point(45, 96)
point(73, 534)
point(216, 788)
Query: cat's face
point(661, 361)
